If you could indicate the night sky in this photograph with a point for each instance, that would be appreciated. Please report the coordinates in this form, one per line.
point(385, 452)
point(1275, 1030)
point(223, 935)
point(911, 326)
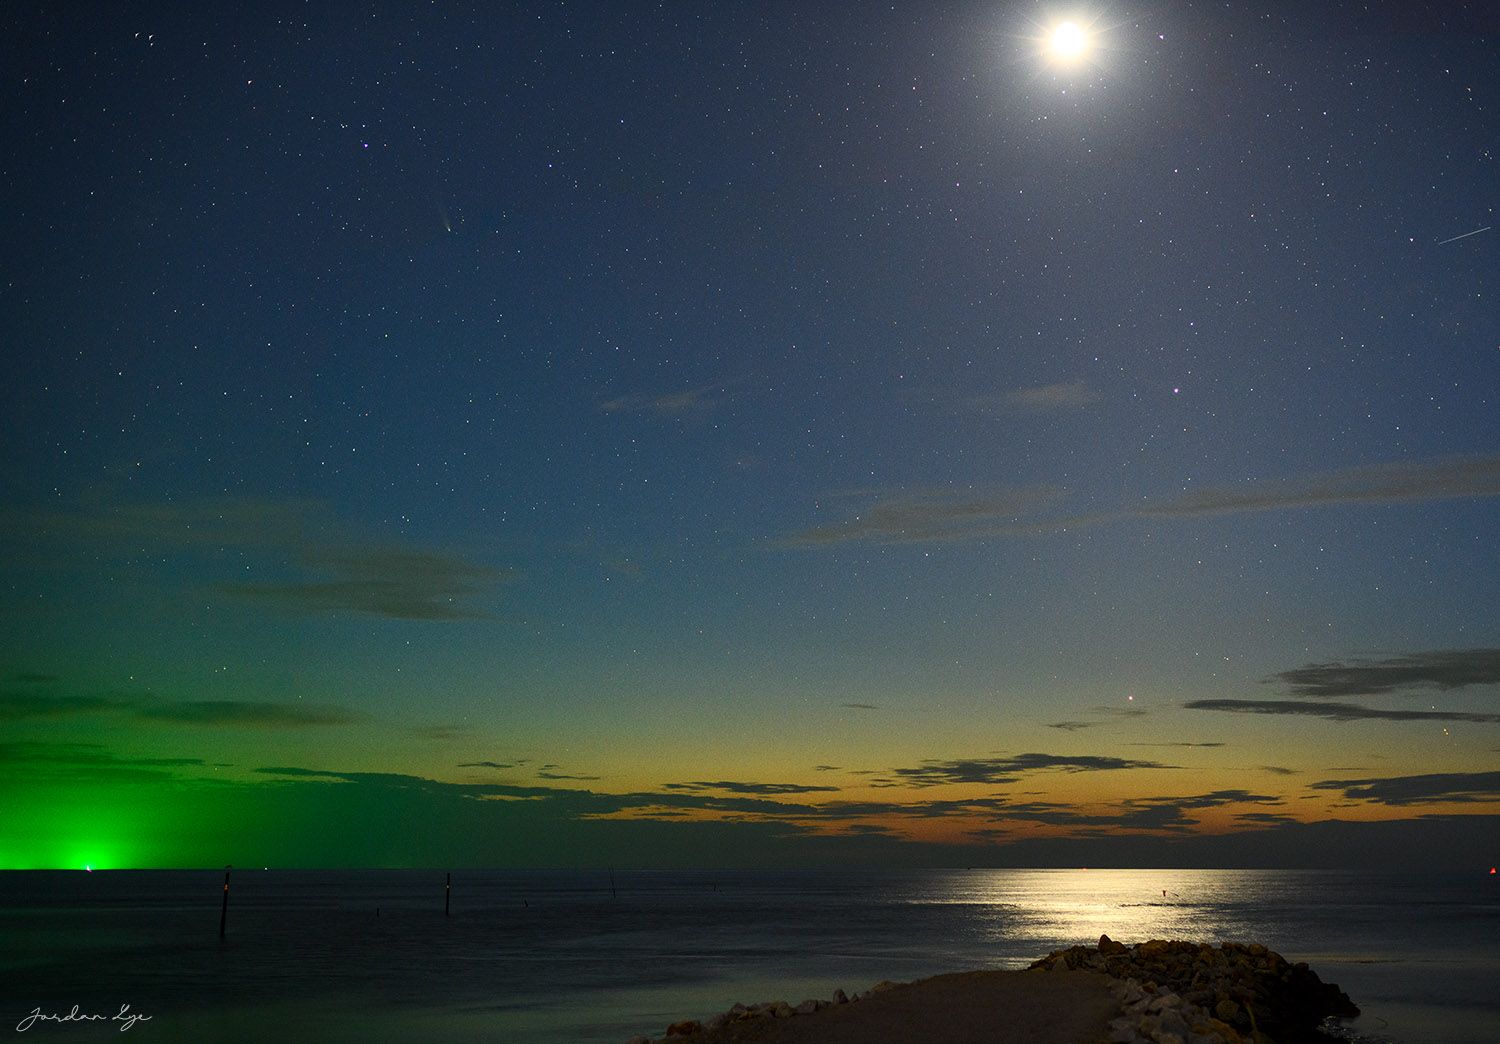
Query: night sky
point(756, 434)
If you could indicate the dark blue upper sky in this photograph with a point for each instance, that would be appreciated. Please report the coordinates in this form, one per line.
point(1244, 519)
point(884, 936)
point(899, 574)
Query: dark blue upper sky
point(577, 379)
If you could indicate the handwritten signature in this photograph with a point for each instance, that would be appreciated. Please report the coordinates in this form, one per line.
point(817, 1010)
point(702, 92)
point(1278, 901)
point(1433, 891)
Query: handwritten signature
point(125, 1018)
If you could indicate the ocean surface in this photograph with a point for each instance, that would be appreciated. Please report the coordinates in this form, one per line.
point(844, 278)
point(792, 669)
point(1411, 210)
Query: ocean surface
point(586, 957)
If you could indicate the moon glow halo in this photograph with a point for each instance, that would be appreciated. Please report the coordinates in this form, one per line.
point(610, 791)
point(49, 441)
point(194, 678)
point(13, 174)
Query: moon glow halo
point(1067, 42)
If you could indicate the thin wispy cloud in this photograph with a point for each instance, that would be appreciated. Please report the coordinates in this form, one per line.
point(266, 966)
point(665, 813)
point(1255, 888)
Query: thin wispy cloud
point(945, 516)
point(350, 573)
point(247, 522)
point(684, 402)
point(230, 713)
point(1334, 711)
point(868, 830)
point(1179, 743)
point(1010, 769)
point(1063, 397)
point(1219, 797)
point(1392, 483)
point(732, 787)
point(440, 732)
point(405, 585)
point(931, 516)
point(82, 754)
point(26, 706)
point(1441, 669)
point(1139, 814)
point(247, 714)
point(1071, 726)
point(32, 760)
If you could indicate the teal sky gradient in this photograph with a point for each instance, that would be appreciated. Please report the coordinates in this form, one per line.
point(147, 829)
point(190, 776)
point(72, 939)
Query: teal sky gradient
point(808, 403)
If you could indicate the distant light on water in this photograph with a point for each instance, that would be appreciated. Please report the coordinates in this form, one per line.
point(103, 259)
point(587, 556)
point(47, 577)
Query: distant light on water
point(1040, 910)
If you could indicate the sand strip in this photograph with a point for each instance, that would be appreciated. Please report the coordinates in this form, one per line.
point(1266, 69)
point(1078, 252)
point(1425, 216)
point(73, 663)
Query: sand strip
point(977, 1007)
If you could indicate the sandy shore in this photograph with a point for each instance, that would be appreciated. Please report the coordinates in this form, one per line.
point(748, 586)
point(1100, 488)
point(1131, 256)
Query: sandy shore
point(978, 1007)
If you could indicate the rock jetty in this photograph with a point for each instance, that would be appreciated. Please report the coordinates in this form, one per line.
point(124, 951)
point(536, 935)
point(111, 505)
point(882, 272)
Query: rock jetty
point(766, 1010)
point(1167, 992)
point(1194, 993)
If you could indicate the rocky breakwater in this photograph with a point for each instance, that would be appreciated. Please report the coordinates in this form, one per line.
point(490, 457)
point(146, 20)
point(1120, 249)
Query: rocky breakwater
point(766, 1010)
point(1194, 993)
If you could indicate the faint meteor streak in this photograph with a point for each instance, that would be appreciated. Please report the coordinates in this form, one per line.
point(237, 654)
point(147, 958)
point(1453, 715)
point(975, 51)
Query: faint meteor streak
point(1466, 235)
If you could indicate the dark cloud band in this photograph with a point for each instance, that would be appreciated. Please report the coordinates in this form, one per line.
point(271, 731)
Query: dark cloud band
point(1433, 788)
point(1010, 769)
point(1441, 669)
point(232, 713)
point(1334, 711)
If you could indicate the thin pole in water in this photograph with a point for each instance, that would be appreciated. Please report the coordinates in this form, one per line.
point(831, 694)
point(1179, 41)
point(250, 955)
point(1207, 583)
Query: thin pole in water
point(447, 893)
point(612, 893)
point(224, 908)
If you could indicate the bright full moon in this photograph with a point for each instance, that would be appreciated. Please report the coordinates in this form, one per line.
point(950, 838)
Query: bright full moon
point(1068, 41)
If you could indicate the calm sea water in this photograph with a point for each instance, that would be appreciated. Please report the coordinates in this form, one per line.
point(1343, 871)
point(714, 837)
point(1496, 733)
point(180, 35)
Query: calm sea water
point(557, 958)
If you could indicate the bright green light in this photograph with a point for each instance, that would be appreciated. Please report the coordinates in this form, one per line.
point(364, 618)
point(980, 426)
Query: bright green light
point(85, 827)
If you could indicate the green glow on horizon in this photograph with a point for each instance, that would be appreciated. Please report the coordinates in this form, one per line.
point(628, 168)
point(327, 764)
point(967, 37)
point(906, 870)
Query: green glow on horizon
point(74, 828)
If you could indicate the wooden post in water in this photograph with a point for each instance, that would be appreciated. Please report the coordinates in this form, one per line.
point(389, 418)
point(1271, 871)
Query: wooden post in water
point(612, 894)
point(447, 893)
point(224, 908)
